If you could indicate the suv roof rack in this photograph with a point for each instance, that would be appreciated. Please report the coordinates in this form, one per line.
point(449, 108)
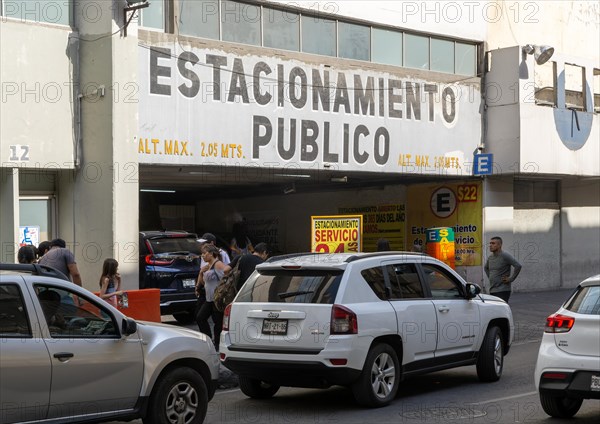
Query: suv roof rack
point(290, 256)
point(387, 253)
point(34, 269)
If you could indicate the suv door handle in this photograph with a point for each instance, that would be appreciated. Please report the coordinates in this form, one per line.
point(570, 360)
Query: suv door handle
point(443, 309)
point(63, 356)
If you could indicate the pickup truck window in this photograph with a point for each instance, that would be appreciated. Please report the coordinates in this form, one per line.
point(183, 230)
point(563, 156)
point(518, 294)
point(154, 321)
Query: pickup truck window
point(13, 315)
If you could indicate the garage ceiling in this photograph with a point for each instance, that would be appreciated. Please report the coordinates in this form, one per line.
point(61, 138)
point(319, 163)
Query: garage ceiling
point(192, 182)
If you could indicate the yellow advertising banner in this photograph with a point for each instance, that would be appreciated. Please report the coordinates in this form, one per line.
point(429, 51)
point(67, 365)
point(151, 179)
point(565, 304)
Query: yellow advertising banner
point(381, 221)
point(336, 233)
point(455, 205)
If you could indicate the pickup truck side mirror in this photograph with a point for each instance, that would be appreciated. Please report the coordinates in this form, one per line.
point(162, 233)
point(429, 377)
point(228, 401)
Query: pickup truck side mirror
point(128, 327)
point(472, 290)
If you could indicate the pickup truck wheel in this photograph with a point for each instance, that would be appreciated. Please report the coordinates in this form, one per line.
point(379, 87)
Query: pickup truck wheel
point(560, 406)
point(180, 396)
point(257, 389)
point(491, 356)
point(185, 318)
point(378, 383)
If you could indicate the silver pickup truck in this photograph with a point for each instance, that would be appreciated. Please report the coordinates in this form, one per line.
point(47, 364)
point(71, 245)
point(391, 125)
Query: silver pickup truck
point(67, 355)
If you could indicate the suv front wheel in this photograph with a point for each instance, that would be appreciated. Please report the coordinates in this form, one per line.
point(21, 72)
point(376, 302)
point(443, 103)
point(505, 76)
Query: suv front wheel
point(491, 356)
point(178, 397)
point(378, 383)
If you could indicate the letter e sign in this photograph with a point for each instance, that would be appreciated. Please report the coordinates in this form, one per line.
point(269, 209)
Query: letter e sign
point(443, 202)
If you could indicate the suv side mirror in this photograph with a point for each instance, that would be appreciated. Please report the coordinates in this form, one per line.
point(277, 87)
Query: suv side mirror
point(128, 327)
point(472, 290)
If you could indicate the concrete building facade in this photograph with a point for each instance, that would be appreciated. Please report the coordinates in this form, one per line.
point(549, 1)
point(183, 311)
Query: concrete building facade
point(359, 106)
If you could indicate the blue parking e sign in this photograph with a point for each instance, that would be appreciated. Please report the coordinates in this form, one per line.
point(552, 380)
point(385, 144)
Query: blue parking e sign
point(482, 164)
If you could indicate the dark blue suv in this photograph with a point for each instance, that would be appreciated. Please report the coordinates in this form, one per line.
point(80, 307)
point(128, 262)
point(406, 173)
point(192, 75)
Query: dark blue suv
point(170, 261)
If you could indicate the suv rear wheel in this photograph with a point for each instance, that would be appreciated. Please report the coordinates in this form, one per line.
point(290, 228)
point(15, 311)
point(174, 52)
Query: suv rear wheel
point(378, 384)
point(560, 406)
point(257, 389)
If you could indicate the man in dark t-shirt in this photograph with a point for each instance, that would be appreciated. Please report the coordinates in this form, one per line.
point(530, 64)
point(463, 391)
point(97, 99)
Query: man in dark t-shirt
point(249, 261)
point(62, 259)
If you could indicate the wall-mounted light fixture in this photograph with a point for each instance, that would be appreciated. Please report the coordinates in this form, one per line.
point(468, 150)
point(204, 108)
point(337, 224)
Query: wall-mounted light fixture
point(542, 54)
point(343, 179)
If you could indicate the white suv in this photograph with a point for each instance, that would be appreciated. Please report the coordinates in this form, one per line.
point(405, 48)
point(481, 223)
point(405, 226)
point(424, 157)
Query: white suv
point(363, 320)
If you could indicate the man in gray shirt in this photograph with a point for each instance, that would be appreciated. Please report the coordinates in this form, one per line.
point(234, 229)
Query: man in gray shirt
point(62, 259)
point(497, 268)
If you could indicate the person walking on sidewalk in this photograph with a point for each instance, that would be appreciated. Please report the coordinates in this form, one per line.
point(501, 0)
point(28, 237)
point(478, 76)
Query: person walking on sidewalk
point(61, 258)
point(209, 277)
point(497, 269)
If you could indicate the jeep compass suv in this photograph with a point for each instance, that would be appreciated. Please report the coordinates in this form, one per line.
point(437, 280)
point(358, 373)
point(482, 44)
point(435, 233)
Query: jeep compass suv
point(365, 320)
point(170, 261)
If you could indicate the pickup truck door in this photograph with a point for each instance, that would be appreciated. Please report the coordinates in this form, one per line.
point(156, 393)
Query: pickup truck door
point(94, 368)
point(24, 359)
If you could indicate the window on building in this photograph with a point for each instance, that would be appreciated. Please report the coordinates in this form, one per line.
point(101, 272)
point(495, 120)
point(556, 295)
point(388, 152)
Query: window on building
point(416, 51)
point(36, 219)
point(199, 18)
point(442, 56)
point(526, 192)
point(318, 35)
point(354, 41)
point(281, 29)
point(545, 84)
point(574, 95)
point(596, 90)
point(465, 59)
point(153, 16)
point(48, 11)
point(241, 22)
point(387, 47)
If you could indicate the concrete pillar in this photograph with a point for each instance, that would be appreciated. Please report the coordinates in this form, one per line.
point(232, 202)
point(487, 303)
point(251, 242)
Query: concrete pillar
point(105, 188)
point(9, 214)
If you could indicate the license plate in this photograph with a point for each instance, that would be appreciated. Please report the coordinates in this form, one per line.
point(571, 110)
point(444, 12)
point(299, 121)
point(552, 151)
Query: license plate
point(595, 386)
point(275, 326)
point(189, 283)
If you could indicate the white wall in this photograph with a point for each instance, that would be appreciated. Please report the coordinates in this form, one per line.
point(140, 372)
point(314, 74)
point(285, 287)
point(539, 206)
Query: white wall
point(580, 228)
point(35, 73)
point(536, 245)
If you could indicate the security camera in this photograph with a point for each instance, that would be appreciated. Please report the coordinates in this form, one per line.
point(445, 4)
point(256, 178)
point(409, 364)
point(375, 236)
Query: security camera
point(480, 147)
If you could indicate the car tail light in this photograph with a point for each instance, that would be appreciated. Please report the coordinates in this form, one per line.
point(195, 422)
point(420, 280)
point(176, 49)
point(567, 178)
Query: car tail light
point(226, 314)
point(153, 260)
point(555, 375)
point(557, 323)
point(343, 321)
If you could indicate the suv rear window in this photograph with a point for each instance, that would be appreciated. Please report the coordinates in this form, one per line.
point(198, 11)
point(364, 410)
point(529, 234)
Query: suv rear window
point(586, 301)
point(174, 244)
point(301, 286)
